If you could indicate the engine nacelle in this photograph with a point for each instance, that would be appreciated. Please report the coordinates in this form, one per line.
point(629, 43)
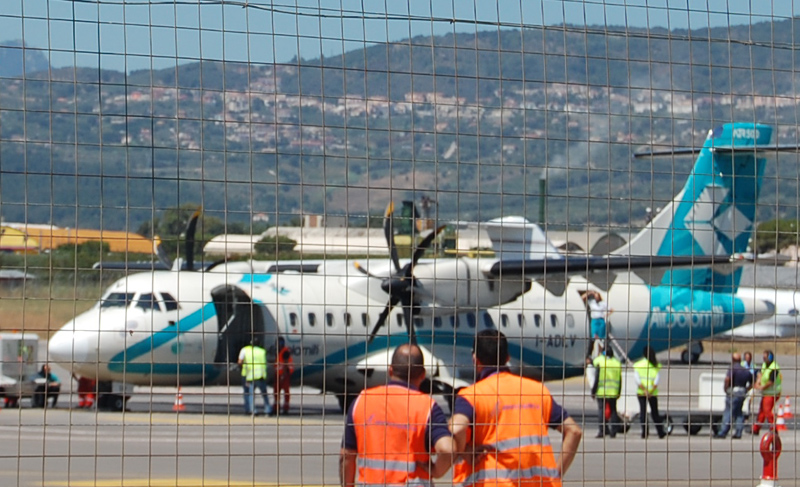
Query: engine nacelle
point(461, 283)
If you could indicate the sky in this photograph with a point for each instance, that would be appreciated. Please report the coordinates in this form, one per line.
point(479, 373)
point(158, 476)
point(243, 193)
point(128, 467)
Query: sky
point(127, 35)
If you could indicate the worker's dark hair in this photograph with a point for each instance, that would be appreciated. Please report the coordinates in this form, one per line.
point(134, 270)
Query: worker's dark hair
point(650, 355)
point(608, 351)
point(491, 348)
point(408, 363)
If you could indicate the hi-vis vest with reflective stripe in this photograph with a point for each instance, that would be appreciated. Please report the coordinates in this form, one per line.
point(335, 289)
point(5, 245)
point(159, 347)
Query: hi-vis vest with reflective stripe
point(390, 423)
point(254, 363)
point(647, 376)
point(777, 379)
point(511, 415)
point(609, 376)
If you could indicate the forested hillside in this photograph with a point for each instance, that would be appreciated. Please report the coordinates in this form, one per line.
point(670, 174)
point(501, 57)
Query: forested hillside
point(472, 120)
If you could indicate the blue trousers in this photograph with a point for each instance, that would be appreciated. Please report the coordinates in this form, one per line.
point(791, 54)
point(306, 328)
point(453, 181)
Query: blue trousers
point(249, 393)
point(733, 411)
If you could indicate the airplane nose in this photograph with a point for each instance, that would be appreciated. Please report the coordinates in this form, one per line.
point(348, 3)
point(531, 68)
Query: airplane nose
point(66, 348)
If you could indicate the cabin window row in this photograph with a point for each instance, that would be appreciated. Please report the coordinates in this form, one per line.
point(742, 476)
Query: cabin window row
point(456, 321)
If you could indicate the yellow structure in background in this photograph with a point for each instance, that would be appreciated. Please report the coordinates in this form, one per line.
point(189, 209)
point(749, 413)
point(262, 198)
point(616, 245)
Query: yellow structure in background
point(17, 241)
point(33, 238)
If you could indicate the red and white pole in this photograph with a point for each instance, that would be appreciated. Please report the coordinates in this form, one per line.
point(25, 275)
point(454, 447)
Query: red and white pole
point(770, 451)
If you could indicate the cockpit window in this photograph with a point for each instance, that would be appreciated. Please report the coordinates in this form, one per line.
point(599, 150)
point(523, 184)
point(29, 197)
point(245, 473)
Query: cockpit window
point(148, 302)
point(117, 300)
point(170, 303)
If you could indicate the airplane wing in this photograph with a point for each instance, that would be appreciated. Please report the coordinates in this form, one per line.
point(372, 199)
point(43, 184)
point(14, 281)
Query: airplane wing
point(584, 265)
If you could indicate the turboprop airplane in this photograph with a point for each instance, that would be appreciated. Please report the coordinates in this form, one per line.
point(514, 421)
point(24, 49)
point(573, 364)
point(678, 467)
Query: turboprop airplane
point(342, 319)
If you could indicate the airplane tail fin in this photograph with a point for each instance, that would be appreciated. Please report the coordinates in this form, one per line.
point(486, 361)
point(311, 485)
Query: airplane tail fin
point(714, 212)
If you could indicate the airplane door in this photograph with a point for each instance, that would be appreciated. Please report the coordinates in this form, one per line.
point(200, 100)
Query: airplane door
point(292, 321)
point(240, 321)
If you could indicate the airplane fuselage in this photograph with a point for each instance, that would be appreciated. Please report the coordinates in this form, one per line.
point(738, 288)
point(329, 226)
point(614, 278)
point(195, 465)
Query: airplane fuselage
point(326, 325)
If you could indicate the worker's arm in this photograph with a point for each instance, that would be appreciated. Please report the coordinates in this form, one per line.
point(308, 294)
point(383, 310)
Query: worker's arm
point(727, 384)
point(445, 449)
point(347, 467)
point(570, 440)
point(459, 425)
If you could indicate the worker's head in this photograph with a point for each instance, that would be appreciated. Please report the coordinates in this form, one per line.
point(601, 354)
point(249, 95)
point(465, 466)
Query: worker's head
point(491, 348)
point(45, 369)
point(281, 342)
point(650, 355)
point(768, 356)
point(736, 357)
point(748, 357)
point(609, 352)
point(408, 365)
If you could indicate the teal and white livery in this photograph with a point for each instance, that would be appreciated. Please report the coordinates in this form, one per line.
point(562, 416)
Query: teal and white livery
point(341, 319)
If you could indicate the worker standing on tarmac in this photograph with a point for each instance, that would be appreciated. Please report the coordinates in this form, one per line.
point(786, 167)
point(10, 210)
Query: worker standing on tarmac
point(86, 391)
point(391, 431)
point(501, 423)
point(769, 383)
point(647, 375)
point(606, 390)
point(253, 360)
point(282, 376)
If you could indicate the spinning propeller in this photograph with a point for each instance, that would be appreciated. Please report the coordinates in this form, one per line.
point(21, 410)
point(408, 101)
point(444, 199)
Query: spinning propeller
point(400, 285)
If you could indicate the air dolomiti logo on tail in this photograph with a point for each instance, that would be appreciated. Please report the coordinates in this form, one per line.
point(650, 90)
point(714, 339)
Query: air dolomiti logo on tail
point(708, 224)
point(742, 133)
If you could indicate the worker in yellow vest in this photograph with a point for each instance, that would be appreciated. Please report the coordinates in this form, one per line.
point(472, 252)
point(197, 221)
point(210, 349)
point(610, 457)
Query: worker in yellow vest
point(770, 384)
point(253, 360)
point(647, 375)
point(606, 390)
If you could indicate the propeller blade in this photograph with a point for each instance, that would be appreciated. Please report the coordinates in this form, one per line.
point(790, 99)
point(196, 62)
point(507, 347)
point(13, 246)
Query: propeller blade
point(382, 318)
point(191, 229)
point(408, 316)
point(425, 244)
point(161, 253)
point(388, 231)
point(360, 269)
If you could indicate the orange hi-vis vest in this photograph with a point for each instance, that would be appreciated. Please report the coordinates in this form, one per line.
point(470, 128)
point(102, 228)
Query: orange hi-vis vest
point(390, 423)
point(511, 416)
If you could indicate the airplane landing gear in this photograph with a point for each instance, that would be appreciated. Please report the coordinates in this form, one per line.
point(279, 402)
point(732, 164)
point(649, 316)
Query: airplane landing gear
point(112, 402)
point(691, 354)
point(113, 396)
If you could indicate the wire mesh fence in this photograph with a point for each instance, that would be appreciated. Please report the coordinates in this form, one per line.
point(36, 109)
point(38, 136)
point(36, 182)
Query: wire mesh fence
point(220, 220)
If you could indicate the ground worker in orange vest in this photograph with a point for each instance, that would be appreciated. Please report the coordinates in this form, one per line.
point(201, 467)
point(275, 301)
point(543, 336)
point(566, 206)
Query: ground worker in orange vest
point(391, 431)
point(501, 422)
point(282, 376)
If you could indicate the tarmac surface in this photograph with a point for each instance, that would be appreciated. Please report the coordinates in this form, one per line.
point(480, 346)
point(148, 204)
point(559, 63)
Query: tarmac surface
point(212, 443)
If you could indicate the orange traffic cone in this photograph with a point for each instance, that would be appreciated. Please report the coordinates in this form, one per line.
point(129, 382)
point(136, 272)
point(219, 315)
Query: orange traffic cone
point(780, 421)
point(787, 409)
point(178, 405)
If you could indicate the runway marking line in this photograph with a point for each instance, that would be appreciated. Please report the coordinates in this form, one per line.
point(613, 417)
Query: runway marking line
point(172, 482)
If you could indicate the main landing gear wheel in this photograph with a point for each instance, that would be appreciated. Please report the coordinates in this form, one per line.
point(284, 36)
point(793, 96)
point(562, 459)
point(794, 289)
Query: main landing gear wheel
point(112, 402)
point(669, 424)
point(689, 357)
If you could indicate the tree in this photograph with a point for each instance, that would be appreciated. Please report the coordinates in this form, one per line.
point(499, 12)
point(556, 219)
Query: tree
point(280, 247)
point(776, 235)
point(170, 227)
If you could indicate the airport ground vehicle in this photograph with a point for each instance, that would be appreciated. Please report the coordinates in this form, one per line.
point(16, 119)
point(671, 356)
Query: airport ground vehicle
point(710, 405)
point(18, 366)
